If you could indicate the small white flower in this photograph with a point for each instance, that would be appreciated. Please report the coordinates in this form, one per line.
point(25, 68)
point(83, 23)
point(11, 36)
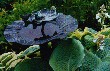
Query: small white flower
point(95, 40)
point(103, 44)
point(99, 20)
point(97, 16)
point(106, 15)
point(102, 41)
point(102, 15)
point(101, 47)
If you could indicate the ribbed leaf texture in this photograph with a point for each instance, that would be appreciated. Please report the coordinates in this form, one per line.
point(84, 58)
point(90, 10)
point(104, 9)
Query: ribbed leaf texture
point(104, 66)
point(87, 41)
point(103, 53)
point(67, 56)
point(35, 64)
point(90, 62)
point(8, 61)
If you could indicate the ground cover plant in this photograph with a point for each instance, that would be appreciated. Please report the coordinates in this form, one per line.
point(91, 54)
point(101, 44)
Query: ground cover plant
point(75, 35)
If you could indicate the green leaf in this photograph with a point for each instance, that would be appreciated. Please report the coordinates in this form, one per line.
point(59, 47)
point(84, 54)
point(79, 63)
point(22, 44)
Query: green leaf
point(1, 67)
point(107, 42)
point(105, 32)
point(35, 64)
point(29, 51)
point(107, 57)
point(87, 41)
point(90, 61)
point(4, 61)
point(92, 30)
point(3, 56)
point(67, 56)
point(13, 64)
point(10, 61)
point(104, 66)
point(103, 53)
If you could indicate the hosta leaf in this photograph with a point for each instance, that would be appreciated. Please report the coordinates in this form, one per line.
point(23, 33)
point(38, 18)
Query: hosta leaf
point(10, 61)
point(35, 64)
point(107, 42)
point(107, 57)
point(29, 50)
point(105, 31)
point(67, 56)
point(92, 30)
point(3, 56)
point(90, 62)
point(104, 66)
point(87, 41)
point(13, 64)
point(4, 61)
point(103, 53)
point(1, 67)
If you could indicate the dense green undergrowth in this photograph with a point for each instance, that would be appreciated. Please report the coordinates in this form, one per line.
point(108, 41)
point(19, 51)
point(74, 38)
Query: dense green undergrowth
point(82, 50)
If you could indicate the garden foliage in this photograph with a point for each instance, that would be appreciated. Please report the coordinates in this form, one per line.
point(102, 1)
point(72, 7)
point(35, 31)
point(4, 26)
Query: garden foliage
point(70, 54)
point(85, 49)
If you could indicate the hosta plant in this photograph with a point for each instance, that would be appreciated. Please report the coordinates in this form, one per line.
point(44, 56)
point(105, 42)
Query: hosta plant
point(71, 54)
point(82, 50)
